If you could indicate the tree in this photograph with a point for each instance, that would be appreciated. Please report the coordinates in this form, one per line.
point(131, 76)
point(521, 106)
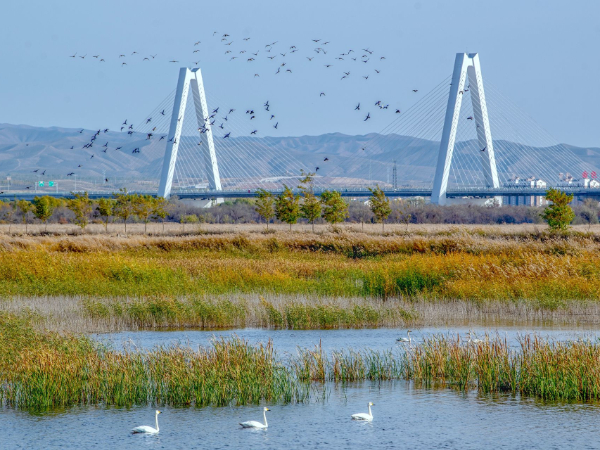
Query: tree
point(43, 207)
point(558, 214)
point(142, 207)
point(335, 208)
point(287, 206)
point(402, 212)
point(81, 205)
point(8, 212)
point(310, 208)
point(191, 218)
point(25, 207)
point(380, 206)
point(123, 207)
point(105, 209)
point(264, 205)
point(159, 210)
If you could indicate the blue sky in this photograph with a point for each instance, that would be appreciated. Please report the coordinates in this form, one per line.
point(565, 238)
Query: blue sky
point(543, 55)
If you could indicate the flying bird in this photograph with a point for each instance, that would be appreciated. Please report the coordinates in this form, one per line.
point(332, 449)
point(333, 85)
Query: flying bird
point(368, 117)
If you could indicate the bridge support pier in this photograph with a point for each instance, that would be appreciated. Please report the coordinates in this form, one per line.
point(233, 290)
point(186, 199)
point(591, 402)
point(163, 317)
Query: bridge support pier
point(189, 78)
point(465, 65)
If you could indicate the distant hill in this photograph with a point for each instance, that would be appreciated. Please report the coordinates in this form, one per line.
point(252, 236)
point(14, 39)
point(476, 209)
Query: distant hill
point(59, 151)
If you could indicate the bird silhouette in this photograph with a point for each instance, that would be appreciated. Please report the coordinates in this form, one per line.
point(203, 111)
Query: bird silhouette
point(357, 107)
point(368, 117)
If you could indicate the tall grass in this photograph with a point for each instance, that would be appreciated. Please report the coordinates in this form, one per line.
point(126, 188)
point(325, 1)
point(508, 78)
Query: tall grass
point(39, 370)
point(545, 269)
point(45, 370)
point(541, 368)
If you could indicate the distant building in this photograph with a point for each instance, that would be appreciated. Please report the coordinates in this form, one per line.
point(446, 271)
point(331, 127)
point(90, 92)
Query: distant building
point(525, 200)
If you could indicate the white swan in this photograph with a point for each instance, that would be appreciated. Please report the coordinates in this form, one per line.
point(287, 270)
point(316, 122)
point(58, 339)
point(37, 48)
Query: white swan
point(254, 423)
point(364, 416)
point(474, 341)
point(146, 428)
point(405, 339)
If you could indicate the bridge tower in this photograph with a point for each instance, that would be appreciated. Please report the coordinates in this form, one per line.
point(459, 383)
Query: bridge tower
point(189, 78)
point(464, 65)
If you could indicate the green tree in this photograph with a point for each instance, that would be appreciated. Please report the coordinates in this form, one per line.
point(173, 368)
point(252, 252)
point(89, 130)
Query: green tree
point(43, 208)
point(142, 207)
point(190, 218)
point(380, 205)
point(26, 208)
point(105, 209)
point(123, 207)
point(287, 206)
point(335, 208)
point(558, 214)
point(159, 210)
point(310, 208)
point(264, 205)
point(81, 205)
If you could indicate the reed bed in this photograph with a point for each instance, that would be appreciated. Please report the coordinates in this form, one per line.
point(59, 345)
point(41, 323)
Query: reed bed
point(48, 370)
point(42, 370)
point(99, 315)
point(539, 367)
point(464, 265)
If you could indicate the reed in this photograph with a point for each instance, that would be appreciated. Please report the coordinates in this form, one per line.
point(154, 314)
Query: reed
point(42, 370)
point(547, 270)
point(48, 370)
point(539, 368)
point(68, 314)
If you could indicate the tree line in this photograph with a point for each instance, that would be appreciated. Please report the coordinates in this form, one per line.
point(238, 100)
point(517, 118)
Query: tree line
point(289, 207)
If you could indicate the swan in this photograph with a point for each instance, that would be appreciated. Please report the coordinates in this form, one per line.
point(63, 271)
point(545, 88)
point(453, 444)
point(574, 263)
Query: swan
point(405, 339)
point(254, 423)
point(364, 416)
point(474, 341)
point(146, 428)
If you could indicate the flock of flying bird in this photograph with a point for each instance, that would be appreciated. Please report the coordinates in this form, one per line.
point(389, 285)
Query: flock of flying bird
point(282, 58)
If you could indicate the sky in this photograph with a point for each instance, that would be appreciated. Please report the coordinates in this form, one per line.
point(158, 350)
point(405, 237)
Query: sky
point(542, 54)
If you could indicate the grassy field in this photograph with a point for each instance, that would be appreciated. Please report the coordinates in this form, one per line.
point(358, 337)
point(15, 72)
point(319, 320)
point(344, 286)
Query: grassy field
point(306, 280)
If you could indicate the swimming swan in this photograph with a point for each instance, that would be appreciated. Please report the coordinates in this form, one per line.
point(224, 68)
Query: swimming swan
point(364, 416)
point(405, 339)
point(254, 423)
point(146, 428)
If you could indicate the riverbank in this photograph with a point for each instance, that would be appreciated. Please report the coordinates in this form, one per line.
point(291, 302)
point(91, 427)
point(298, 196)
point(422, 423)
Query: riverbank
point(271, 311)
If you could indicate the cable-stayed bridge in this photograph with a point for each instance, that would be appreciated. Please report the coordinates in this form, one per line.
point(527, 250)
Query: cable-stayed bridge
point(461, 139)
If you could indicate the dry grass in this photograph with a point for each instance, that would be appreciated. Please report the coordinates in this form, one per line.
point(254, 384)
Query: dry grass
point(177, 229)
point(176, 279)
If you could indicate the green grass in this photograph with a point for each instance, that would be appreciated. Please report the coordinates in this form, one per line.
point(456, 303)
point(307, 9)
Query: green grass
point(45, 370)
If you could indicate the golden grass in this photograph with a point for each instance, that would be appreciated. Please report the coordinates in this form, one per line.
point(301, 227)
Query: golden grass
point(467, 265)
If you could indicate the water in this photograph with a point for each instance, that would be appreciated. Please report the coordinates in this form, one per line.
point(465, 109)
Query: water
point(287, 341)
point(405, 416)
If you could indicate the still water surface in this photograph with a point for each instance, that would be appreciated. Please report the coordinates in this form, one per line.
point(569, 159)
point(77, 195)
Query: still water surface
point(287, 341)
point(404, 416)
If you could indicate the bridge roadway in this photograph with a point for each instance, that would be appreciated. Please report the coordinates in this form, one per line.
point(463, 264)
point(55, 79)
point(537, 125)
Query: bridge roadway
point(402, 192)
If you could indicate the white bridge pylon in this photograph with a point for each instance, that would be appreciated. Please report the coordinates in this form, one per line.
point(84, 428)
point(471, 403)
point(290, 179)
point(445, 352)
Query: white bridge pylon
point(189, 78)
point(465, 65)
